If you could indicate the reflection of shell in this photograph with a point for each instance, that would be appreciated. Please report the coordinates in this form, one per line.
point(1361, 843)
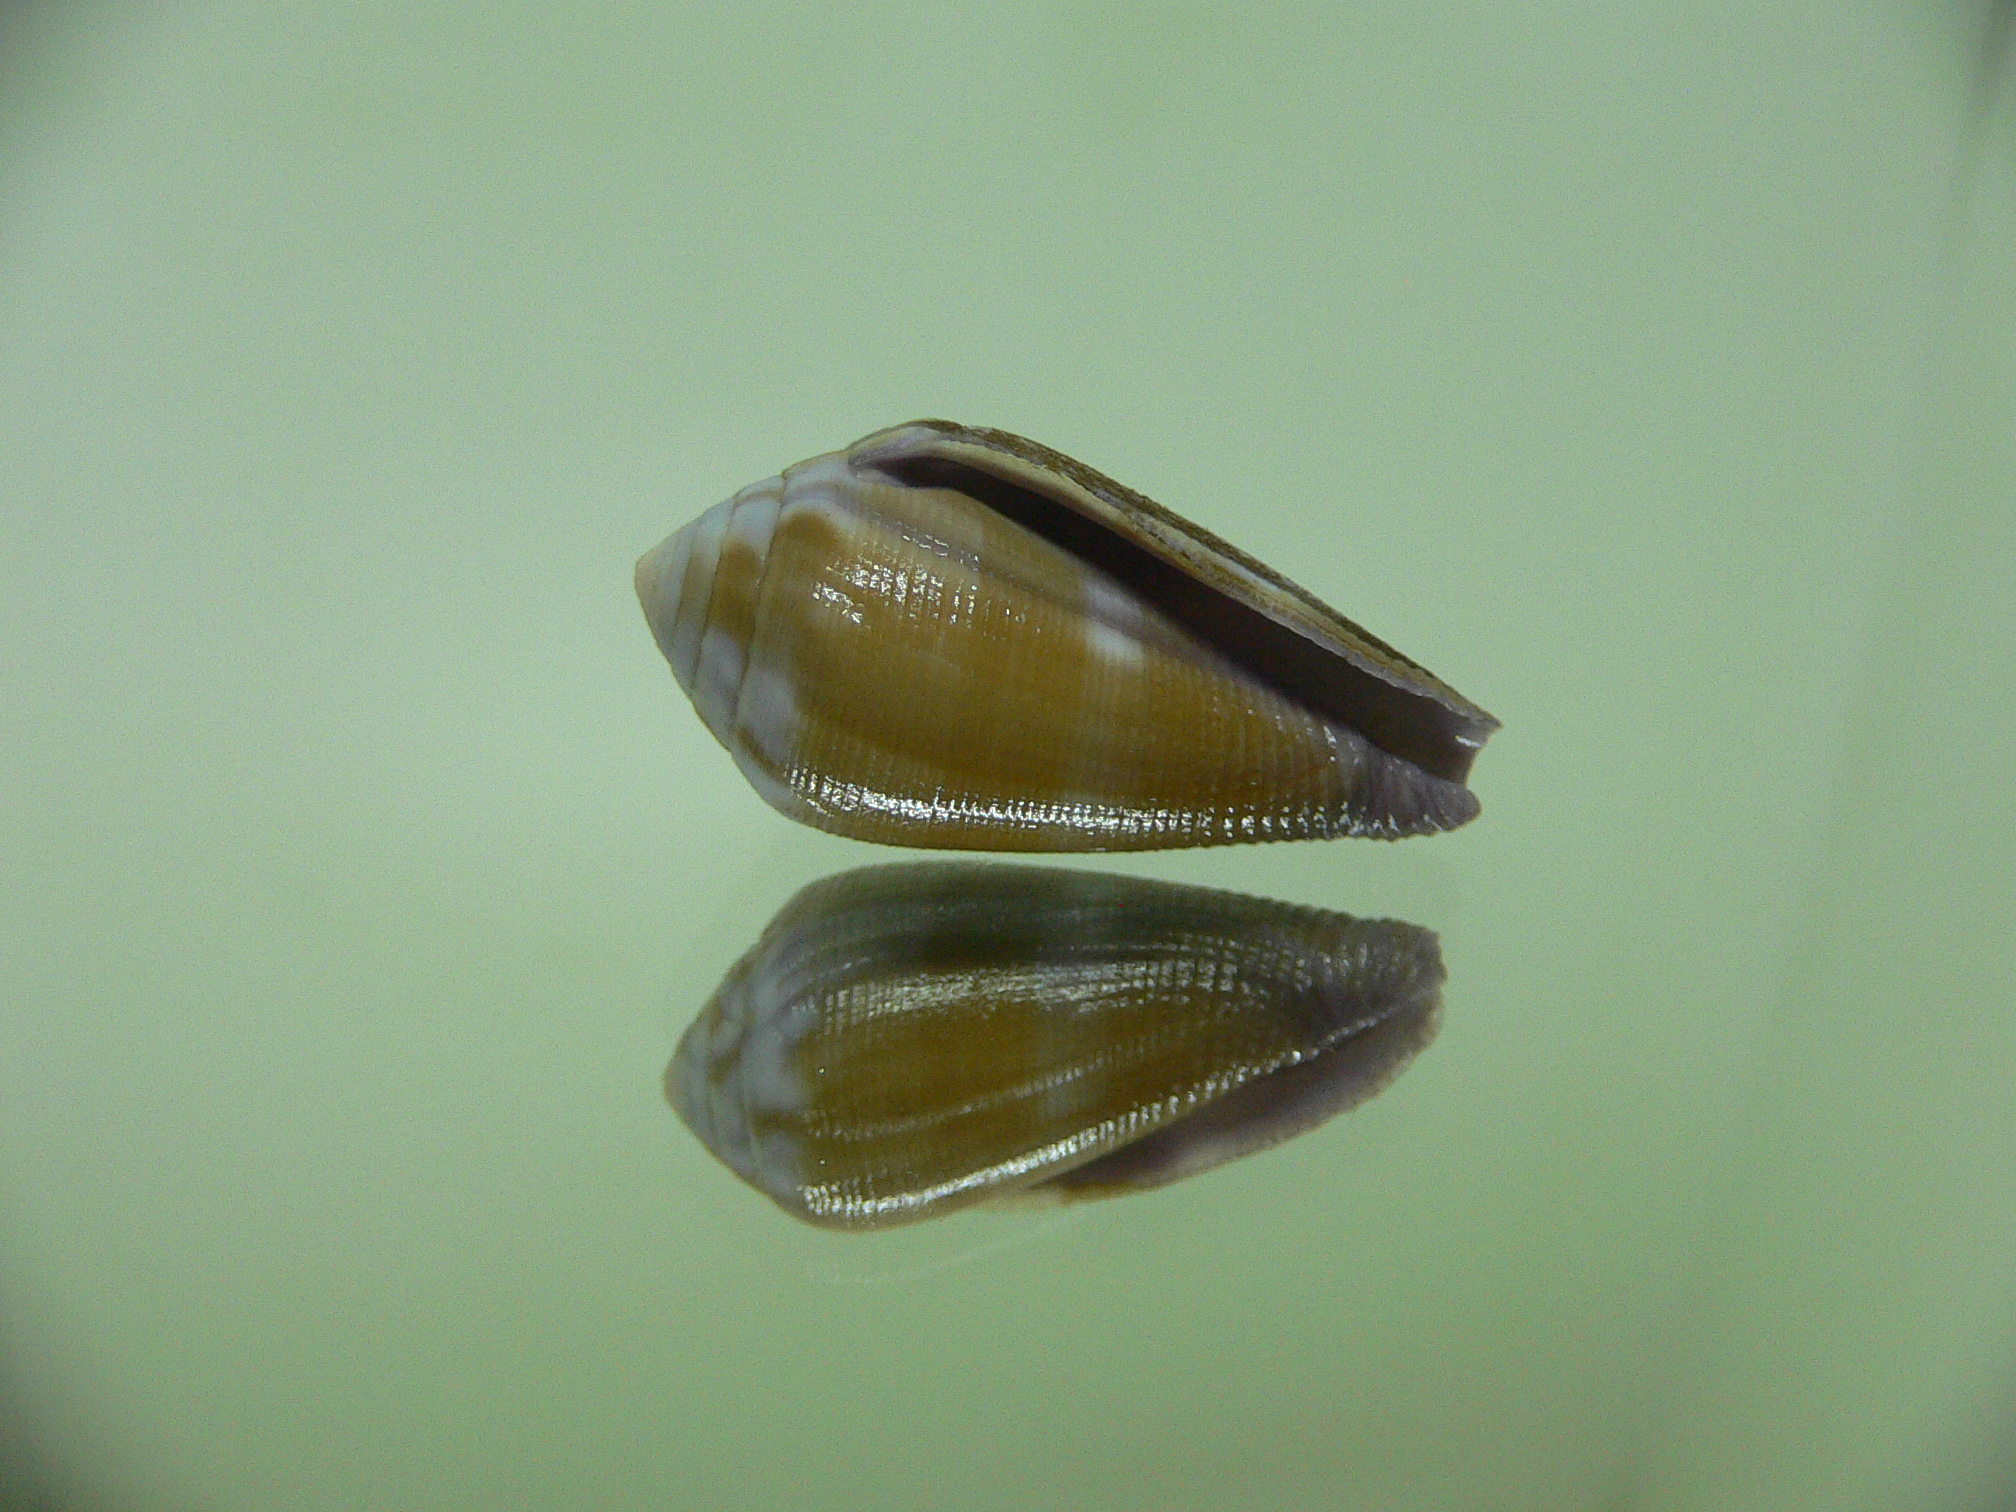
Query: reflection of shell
point(955, 637)
point(907, 1040)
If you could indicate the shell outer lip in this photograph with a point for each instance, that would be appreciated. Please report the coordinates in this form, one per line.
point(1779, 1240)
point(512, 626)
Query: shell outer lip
point(1258, 619)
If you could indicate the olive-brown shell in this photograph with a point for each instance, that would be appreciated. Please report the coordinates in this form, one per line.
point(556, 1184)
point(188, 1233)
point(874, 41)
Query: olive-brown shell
point(954, 637)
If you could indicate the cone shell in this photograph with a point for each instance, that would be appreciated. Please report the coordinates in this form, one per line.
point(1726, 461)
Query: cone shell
point(905, 1041)
point(957, 638)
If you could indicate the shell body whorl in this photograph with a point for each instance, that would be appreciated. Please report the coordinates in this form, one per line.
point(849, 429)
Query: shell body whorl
point(908, 1040)
point(954, 638)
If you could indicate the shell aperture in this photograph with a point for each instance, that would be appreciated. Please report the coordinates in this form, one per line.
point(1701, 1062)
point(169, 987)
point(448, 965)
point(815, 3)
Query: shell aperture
point(907, 1040)
point(953, 637)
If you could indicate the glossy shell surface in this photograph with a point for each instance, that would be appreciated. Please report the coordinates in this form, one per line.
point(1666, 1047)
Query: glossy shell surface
point(953, 637)
point(908, 1040)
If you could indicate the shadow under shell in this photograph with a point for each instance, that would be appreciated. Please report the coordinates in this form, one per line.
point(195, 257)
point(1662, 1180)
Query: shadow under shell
point(907, 1040)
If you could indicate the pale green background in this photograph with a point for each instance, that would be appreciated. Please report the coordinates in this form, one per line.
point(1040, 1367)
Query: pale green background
point(1647, 371)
